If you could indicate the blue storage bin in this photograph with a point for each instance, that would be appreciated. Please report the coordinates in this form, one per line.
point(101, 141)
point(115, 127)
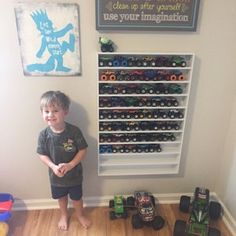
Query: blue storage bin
point(5, 214)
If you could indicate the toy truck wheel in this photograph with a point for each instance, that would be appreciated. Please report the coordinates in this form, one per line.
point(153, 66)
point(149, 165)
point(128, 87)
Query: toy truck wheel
point(124, 215)
point(130, 201)
point(158, 223)
point(103, 48)
point(112, 215)
point(184, 204)
point(183, 64)
point(173, 77)
point(112, 77)
point(116, 63)
point(111, 203)
point(179, 228)
point(103, 77)
point(137, 222)
point(214, 210)
point(213, 232)
point(180, 77)
point(153, 200)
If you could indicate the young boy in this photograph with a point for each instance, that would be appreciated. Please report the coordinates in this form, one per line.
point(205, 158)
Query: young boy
point(61, 146)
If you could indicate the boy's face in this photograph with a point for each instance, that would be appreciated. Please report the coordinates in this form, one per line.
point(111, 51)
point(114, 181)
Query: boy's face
point(54, 116)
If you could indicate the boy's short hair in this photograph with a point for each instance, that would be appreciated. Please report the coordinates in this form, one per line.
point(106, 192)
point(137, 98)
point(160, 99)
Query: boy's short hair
point(50, 98)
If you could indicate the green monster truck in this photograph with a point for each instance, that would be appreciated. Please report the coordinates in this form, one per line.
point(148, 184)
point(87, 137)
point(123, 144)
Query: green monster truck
point(118, 206)
point(202, 210)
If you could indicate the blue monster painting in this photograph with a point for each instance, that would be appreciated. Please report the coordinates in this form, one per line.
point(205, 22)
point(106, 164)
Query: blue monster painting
point(50, 42)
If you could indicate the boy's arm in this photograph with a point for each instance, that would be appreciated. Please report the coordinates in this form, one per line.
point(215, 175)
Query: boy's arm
point(55, 168)
point(65, 167)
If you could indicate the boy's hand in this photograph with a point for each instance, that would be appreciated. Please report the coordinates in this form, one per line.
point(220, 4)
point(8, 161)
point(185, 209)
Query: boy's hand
point(57, 171)
point(65, 167)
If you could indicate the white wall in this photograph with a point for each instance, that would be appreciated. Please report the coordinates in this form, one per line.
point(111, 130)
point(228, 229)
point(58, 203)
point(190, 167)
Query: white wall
point(227, 178)
point(211, 103)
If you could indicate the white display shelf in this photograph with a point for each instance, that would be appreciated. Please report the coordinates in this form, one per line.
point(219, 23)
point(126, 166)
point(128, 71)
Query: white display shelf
point(118, 158)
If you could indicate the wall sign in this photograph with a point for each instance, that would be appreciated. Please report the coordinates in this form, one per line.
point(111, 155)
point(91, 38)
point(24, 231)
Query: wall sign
point(49, 43)
point(168, 15)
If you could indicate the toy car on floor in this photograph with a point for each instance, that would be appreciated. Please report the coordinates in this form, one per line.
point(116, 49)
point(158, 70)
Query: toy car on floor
point(144, 203)
point(118, 205)
point(202, 210)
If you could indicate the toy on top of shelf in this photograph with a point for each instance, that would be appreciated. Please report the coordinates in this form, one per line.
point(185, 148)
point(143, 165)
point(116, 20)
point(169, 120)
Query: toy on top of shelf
point(202, 211)
point(6, 202)
point(118, 204)
point(144, 202)
point(106, 44)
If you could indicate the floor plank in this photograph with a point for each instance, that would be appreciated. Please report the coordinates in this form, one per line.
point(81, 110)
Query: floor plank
point(44, 223)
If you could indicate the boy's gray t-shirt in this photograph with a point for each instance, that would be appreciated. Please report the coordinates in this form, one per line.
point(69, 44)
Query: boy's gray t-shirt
point(62, 148)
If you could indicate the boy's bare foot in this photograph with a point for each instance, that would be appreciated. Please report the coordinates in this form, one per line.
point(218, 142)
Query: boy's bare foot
point(63, 223)
point(86, 223)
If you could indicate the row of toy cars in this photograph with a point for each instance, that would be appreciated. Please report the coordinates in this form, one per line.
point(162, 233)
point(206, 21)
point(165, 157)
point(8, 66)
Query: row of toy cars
point(139, 61)
point(139, 137)
point(139, 125)
point(130, 148)
point(142, 75)
point(6, 203)
point(159, 88)
point(138, 102)
point(202, 210)
point(144, 204)
point(141, 114)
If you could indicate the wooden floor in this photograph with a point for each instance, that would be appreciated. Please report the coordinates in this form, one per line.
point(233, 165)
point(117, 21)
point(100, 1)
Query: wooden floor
point(44, 223)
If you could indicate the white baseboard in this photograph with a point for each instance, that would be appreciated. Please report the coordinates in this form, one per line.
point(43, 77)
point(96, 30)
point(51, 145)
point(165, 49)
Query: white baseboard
point(172, 198)
point(37, 204)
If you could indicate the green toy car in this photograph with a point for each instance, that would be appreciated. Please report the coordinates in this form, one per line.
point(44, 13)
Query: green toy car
point(106, 44)
point(176, 61)
point(202, 211)
point(118, 205)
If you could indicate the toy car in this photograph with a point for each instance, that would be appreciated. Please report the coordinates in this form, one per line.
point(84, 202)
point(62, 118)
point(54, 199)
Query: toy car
point(144, 203)
point(108, 75)
point(146, 88)
point(136, 75)
point(175, 88)
point(202, 211)
point(106, 44)
point(148, 61)
point(176, 75)
point(105, 149)
point(105, 61)
point(171, 101)
point(134, 61)
point(177, 61)
point(118, 205)
point(162, 61)
point(150, 75)
point(175, 114)
point(132, 101)
point(106, 89)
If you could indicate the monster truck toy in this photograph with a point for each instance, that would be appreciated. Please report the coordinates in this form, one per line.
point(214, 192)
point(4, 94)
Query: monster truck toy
point(178, 61)
point(202, 210)
point(118, 205)
point(106, 44)
point(144, 202)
